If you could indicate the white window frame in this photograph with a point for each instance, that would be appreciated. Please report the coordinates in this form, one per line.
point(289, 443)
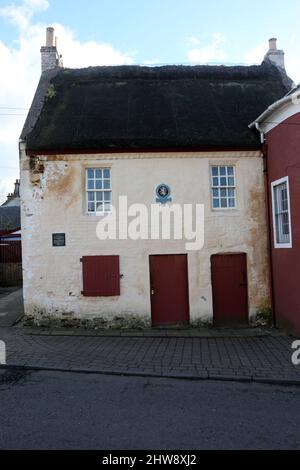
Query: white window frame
point(212, 187)
point(274, 184)
point(87, 191)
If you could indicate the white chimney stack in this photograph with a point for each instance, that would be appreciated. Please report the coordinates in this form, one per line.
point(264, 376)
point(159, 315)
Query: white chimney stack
point(50, 57)
point(275, 55)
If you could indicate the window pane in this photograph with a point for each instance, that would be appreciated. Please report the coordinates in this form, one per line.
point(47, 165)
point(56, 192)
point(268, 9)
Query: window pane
point(223, 203)
point(230, 181)
point(98, 184)
point(230, 171)
point(223, 182)
point(215, 171)
point(106, 173)
point(286, 230)
point(107, 196)
point(231, 202)
point(216, 203)
point(231, 192)
point(107, 207)
point(91, 196)
point(215, 192)
point(215, 181)
point(100, 207)
point(106, 184)
point(99, 196)
point(223, 170)
point(91, 184)
point(285, 224)
point(91, 207)
point(98, 173)
point(276, 200)
point(223, 192)
point(90, 173)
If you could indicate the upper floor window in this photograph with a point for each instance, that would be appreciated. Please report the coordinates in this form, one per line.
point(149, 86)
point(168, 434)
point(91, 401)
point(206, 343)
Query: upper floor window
point(223, 184)
point(281, 213)
point(98, 190)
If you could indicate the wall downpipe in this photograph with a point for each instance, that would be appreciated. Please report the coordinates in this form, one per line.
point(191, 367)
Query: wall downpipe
point(268, 202)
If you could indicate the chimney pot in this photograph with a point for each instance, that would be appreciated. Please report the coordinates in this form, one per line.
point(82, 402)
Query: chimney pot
point(273, 44)
point(50, 37)
point(17, 188)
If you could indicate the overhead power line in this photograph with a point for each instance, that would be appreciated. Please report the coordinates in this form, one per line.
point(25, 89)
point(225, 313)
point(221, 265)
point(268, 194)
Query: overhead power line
point(9, 167)
point(9, 107)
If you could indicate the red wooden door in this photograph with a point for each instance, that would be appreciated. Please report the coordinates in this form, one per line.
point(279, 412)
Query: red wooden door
point(230, 289)
point(169, 290)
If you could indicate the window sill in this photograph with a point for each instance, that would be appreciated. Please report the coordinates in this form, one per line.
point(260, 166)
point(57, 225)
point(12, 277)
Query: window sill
point(98, 214)
point(283, 246)
point(225, 209)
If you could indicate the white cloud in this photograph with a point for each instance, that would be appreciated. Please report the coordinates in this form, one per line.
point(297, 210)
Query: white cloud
point(151, 62)
point(193, 41)
point(213, 52)
point(20, 72)
point(293, 68)
point(256, 55)
point(6, 186)
point(21, 15)
point(292, 57)
point(77, 54)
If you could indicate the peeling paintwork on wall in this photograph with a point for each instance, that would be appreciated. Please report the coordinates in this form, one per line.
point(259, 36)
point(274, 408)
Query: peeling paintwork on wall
point(259, 289)
point(48, 319)
point(53, 276)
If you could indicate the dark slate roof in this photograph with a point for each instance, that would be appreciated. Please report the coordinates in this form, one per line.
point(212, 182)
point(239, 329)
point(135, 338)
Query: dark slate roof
point(133, 107)
point(10, 218)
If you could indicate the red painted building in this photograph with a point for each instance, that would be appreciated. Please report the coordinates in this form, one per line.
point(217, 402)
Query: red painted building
point(279, 126)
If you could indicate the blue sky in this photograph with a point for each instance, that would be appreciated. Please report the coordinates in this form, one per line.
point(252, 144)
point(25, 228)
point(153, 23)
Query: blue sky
point(161, 28)
point(94, 32)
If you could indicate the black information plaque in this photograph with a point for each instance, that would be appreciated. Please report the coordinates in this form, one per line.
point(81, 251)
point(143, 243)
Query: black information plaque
point(59, 239)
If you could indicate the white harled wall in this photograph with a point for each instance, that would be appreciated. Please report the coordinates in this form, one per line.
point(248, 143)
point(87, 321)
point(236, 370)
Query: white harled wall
point(53, 201)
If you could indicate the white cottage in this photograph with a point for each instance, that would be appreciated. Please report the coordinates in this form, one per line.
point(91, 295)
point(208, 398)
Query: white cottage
point(102, 149)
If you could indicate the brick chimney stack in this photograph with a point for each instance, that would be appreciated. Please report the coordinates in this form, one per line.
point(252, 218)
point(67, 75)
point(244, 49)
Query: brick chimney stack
point(17, 188)
point(50, 57)
point(275, 55)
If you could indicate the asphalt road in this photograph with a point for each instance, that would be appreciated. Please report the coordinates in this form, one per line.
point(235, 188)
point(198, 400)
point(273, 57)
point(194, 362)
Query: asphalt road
point(54, 410)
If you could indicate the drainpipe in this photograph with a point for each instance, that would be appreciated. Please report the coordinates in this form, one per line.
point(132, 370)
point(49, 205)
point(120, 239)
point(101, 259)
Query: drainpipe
point(268, 201)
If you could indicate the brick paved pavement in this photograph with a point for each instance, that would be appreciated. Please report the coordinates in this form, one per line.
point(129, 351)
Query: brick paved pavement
point(243, 357)
point(11, 306)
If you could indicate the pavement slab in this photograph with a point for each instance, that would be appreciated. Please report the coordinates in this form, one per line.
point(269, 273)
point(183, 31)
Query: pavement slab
point(249, 358)
point(11, 306)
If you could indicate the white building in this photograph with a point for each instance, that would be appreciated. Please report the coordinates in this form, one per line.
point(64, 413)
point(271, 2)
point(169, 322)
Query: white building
point(94, 135)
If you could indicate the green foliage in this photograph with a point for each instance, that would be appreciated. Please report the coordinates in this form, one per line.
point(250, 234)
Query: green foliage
point(264, 316)
point(44, 320)
point(51, 92)
point(202, 323)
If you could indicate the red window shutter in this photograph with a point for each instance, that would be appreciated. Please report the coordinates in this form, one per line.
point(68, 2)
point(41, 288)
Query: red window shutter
point(101, 276)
